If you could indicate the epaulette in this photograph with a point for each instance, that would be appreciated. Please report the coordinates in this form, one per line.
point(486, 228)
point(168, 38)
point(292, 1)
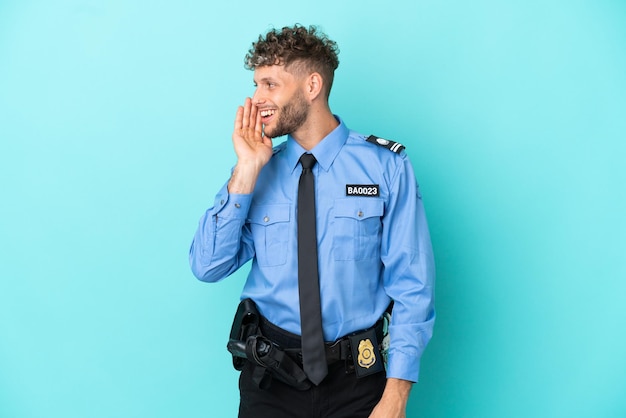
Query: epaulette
point(390, 145)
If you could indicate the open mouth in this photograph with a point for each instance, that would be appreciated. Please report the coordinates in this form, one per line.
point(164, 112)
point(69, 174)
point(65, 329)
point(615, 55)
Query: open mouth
point(267, 114)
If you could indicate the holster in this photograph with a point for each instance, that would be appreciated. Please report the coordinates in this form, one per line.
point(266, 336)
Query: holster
point(245, 324)
point(247, 343)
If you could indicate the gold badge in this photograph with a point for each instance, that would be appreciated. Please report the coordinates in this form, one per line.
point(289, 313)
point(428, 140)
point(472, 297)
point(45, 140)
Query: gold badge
point(367, 358)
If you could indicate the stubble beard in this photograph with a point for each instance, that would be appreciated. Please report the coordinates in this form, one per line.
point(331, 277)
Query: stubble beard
point(291, 116)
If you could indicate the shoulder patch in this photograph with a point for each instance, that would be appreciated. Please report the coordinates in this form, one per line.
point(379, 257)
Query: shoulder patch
point(390, 145)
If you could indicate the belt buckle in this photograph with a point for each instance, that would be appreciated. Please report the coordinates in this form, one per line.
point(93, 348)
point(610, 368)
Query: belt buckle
point(333, 352)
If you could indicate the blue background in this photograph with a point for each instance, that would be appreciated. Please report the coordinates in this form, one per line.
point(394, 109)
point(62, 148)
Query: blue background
point(115, 125)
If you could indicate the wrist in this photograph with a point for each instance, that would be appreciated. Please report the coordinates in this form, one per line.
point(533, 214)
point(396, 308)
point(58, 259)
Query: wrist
point(244, 177)
point(398, 389)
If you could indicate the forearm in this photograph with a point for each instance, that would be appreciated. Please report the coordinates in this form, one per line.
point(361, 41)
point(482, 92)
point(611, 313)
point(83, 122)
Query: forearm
point(220, 244)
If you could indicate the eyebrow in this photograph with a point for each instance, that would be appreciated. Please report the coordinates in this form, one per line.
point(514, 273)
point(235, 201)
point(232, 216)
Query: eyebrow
point(264, 80)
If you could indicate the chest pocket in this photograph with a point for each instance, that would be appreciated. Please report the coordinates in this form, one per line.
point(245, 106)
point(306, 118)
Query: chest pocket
point(357, 228)
point(270, 232)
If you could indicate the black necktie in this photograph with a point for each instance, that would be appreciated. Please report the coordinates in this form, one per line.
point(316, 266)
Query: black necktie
point(313, 352)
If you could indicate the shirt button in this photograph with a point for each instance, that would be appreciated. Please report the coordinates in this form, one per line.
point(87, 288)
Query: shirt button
point(222, 202)
point(237, 205)
point(266, 219)
point(360, 214)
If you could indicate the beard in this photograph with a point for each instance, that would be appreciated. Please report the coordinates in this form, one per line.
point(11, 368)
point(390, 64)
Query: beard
point(290, 117)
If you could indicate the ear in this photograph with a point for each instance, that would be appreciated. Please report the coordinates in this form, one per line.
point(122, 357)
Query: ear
point(313, 86)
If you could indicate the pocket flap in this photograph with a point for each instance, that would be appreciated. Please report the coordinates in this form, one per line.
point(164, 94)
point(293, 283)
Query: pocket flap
point(269, 214)
point(359, 209)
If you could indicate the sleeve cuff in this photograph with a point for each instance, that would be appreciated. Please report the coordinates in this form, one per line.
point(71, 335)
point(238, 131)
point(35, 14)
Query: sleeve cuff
point(403, 366)
point(232, 206)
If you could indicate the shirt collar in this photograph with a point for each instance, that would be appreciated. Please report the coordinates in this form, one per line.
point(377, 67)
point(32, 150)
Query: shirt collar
point(325, 152)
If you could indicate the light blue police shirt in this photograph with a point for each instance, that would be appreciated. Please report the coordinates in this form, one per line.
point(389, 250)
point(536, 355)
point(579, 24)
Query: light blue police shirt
point(373, 243)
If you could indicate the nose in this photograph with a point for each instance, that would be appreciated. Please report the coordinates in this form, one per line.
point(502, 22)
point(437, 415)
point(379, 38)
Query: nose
point(256, 98)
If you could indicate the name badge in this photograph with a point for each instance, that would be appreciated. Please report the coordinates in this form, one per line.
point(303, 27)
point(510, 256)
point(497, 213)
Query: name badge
point(367, 190)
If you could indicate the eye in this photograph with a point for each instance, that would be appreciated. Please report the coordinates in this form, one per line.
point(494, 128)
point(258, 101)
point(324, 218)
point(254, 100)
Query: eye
point(269, 85)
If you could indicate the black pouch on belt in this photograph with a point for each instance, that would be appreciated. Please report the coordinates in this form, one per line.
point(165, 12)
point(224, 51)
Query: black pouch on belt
point(366, 353)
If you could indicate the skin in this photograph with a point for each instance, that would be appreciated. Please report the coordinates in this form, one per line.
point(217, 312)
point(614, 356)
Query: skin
point(290, 96)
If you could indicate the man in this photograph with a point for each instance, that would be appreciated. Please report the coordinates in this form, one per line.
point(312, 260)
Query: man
point(369, 232)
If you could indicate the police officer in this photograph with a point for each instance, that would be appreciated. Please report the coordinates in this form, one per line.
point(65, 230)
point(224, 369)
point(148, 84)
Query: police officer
point(373, 244)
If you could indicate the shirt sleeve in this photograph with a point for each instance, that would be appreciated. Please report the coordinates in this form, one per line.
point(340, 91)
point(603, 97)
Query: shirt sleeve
point(409, 274)
point(221, 244)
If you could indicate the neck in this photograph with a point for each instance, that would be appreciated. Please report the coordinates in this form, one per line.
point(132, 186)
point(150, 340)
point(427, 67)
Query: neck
point(318, 125)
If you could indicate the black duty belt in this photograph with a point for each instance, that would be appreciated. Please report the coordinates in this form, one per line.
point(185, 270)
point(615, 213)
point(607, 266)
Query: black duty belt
point(277, 352)
point(340, 350)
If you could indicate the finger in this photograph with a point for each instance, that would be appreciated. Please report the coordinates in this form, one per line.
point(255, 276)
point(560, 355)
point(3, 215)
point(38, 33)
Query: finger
point(258, 125)
point(246, 113)
point(254, 113)
point(239, 118)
